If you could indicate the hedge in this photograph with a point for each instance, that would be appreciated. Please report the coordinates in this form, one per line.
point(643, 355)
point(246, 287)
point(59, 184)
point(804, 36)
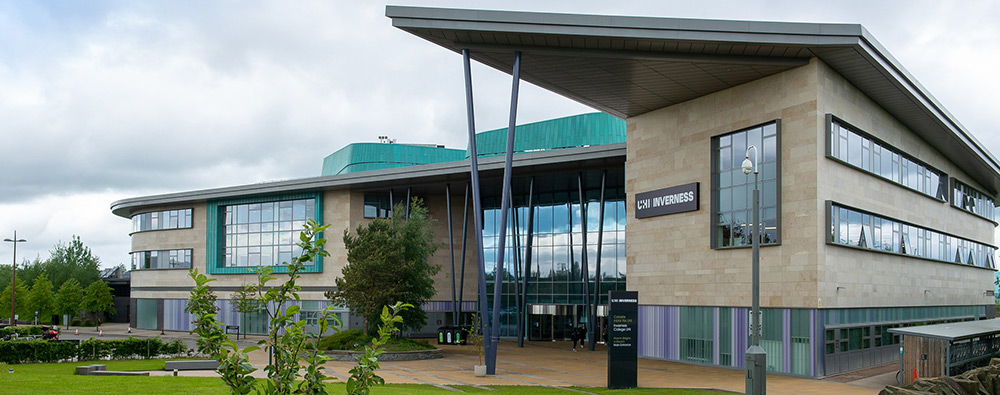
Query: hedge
point(22, 351)
point(26, 330)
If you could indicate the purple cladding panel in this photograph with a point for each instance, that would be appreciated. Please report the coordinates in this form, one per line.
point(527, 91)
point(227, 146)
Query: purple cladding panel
point(741, 335)
point(812, 343)
point(715, 335)
point(786, 340)
point(659, 332)
point(445, 306)
point(174, 317)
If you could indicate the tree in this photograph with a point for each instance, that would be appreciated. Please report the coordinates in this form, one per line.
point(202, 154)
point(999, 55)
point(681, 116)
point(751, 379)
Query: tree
point(73, 260)
point(40, 298)
point(291, 345)
point(386, 263)
point(20, 301)
point(245, 301)
point(97, 299)
point(68, 298)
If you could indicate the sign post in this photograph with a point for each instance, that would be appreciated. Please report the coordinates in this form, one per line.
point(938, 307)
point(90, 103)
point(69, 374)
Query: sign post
point(623, 322)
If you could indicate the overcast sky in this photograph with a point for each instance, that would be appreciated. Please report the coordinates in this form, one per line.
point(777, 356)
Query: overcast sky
point(105, 100)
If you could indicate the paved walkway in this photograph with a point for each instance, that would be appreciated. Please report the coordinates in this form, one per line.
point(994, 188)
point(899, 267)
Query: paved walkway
point(548, 364)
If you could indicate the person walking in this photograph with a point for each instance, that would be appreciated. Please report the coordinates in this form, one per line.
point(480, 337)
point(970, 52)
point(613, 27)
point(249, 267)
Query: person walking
point(579, 334)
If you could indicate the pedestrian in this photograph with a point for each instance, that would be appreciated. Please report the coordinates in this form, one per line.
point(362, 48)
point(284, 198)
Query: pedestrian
point(579, 334)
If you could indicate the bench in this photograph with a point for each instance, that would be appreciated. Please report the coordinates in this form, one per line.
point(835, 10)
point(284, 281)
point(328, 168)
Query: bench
point(191, 365)
point(231, 329)
point(86, 370)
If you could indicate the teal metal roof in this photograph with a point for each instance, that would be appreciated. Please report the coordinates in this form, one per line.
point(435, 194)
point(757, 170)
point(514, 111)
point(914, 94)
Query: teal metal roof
point(567, 132)
point(560, 133)
point(379, 156)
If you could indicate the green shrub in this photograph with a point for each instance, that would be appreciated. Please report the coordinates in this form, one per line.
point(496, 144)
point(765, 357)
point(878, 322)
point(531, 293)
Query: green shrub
point(356, 340)
point(24, 330)
point(346, 340)
point(21, 351)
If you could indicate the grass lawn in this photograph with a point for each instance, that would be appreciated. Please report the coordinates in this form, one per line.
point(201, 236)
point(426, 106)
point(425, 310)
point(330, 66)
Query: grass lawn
point(58, 378)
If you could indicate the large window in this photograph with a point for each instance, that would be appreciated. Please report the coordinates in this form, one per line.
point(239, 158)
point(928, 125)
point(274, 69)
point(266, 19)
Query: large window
point(732, 191)
point(160, 220)
point(379, 205)
point(972, 200)
point(162, 259)
point(852, 146)
point(264, 234)
point(861, 229)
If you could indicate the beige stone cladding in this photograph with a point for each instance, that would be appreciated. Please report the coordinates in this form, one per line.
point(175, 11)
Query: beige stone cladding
point(144, 282)
point(669, 258)
point(855, 278)
point(437, 209)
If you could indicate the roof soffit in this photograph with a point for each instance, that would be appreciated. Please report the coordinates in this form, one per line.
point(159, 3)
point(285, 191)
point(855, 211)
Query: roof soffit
point(627, 66)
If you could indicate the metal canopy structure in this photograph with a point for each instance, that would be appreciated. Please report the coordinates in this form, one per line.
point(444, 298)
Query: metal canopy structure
point(947, 349)
point(627, 66)
point(952, 331)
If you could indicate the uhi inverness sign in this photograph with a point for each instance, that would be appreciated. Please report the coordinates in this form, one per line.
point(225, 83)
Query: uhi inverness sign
point(623, 325)
point(665, 201)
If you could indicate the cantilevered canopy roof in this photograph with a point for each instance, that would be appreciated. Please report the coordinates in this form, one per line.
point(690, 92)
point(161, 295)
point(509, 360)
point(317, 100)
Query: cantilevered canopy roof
point(952, 331)
point(627, 66)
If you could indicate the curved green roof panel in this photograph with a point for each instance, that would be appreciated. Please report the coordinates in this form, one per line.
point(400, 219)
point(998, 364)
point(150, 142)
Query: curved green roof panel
point(574, 131)
point(560, 133)
point(358, 157)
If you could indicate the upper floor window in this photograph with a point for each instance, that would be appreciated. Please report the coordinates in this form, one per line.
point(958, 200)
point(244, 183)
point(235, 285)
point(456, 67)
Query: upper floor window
point(159, 220)
point(732, 191)
point(856, 228)
point(265, 234)
point(379, 205)
point(162, 259)
point(854, 147)
point(972, 200)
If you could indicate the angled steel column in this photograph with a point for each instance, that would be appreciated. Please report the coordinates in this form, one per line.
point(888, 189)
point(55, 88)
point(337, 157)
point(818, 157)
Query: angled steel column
point(526, 273)
point(407, 203)
point(491, 354)
point(477, 209)
point(465, 236)
point(451, 253)
point(392, 206)
point(585, 269)
point(594, 333)
point(517, 272)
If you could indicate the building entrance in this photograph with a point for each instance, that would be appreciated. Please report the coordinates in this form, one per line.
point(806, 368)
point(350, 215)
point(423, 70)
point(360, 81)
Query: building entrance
point(553, 322)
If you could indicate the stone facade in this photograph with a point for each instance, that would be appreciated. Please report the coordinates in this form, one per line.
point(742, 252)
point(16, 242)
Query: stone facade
point(670, 261)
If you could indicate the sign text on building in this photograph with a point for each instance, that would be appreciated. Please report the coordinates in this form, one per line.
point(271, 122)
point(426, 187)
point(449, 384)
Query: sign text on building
point(665, 201)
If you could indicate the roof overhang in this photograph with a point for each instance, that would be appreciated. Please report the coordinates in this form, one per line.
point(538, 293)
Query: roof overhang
point(422, 179)
point(627, 66)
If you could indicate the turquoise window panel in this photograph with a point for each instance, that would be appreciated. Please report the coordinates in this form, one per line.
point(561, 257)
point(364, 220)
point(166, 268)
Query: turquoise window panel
point(215, 235)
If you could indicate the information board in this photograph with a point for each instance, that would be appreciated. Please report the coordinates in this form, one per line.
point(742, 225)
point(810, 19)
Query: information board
point(623, 325)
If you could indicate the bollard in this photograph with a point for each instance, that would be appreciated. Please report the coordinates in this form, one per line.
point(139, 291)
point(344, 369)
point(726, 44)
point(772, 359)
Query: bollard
point(175, 372)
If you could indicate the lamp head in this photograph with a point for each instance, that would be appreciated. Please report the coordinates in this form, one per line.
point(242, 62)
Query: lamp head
point(747, 166)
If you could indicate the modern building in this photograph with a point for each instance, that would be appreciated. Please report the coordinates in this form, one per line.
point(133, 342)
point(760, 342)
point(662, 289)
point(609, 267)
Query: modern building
point(877, 206)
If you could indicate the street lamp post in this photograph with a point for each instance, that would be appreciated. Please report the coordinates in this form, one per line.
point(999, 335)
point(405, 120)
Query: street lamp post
point(756, 358)
point(13, 275)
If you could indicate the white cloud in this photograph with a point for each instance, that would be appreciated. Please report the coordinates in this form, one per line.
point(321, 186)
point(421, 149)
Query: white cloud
point(140, 98)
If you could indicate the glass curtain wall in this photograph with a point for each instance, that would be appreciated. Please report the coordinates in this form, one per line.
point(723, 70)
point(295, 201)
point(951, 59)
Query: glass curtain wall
point(555, 273)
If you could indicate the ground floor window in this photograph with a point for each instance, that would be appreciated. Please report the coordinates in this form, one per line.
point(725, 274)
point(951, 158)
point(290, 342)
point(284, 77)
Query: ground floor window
point(146, 314)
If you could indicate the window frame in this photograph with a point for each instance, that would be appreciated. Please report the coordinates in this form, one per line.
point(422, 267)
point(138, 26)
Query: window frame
point(896, 159)
point(135, 230)
point(714, 186)
point(955, 182)
point(913, 229)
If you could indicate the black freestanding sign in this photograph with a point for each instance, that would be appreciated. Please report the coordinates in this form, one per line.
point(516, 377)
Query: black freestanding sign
point(623, 322)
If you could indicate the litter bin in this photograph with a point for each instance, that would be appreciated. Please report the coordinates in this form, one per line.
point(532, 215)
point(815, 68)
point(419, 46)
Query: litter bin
point(441, 339)
point(460, 335)
point(449, 335)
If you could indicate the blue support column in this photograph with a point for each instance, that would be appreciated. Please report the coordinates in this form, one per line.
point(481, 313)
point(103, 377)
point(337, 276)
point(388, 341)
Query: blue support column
point(491, 353)
point(477, 209)
point(465, 236)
